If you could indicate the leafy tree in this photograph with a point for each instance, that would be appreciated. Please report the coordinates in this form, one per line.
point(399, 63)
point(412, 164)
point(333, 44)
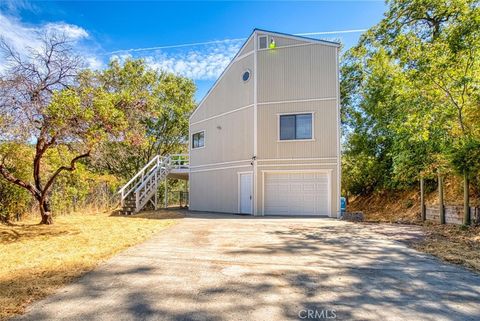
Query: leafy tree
point(164, 130)
point(72, 190)
point(44, 103)
point(465, 158)
point(412, 90)
point(14, 201)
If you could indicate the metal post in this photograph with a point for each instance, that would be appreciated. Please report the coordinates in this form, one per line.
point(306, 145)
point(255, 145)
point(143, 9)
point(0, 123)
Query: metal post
point(156, 189)
point(466, 199)
point(137, 203)
point(166, 193)
point(155, 199)
point(185, 193)
point(422, 199)
point(440, 199)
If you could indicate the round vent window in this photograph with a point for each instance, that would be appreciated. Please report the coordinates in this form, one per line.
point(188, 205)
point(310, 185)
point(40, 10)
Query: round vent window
point(246, 75)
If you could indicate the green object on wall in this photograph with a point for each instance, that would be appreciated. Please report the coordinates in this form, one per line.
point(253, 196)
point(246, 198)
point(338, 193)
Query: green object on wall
point(272, 44)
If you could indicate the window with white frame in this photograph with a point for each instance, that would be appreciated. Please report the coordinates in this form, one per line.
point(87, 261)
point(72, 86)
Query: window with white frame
point(296, 126)
point(198, 139)
point(262, 42)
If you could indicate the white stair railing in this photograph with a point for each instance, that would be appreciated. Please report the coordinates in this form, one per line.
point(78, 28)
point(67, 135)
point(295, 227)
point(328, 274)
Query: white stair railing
point(149, 187)
point(144, 185)
point(138, 179)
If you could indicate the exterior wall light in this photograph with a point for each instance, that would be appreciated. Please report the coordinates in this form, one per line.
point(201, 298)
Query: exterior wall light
point(272, 44)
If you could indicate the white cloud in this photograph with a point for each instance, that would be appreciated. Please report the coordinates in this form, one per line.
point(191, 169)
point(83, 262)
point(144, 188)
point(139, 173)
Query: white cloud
point(13, 6)
point(201, 63)
point(22, 36)
point(72, 32)
point(16, 34)
point(94, 63)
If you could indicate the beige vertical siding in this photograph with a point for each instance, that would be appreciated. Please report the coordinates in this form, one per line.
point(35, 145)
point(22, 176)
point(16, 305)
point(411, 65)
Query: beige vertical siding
point(296, 70)
point(226, 116)
point(298, 79)
point(215, 191)
point(227, 138)
point(324, 131)
point(230, 93)
point(300, 72)
point(247, 48)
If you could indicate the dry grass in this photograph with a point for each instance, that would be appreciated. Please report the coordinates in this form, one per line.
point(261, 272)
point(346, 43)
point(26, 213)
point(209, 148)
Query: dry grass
point(451, 243)
point(36, 260)
point(404, 206)
point(400, 207)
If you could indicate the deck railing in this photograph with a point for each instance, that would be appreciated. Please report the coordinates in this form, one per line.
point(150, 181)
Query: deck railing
point(179, 161)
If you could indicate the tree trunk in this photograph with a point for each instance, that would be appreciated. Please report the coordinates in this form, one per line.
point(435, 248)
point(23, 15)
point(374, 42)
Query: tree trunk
point(46, 213)
point(422, 200)
point(441, 204)
point(466, 199)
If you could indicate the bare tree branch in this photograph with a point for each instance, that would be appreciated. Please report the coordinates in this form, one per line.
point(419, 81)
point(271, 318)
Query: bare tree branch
point(70, 168)
point(9, 177)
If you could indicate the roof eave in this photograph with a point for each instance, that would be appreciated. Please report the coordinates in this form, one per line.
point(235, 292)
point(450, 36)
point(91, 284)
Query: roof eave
point(281, 34)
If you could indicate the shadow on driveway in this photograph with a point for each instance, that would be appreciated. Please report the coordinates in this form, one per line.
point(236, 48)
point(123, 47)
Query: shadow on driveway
point(219, 267)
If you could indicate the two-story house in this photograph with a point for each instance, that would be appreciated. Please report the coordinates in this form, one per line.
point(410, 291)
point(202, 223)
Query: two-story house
point(265, 140)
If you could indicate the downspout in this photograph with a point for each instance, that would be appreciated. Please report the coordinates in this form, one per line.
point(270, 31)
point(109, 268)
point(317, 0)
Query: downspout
point(255, 73)
point(339, 149)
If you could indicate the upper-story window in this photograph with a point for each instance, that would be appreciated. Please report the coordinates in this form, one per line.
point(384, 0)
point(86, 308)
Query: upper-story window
point(262, 42)
point(296, 126)
point(198, 139)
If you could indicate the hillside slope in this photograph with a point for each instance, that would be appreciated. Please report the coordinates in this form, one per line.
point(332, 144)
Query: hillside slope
point(404, 206)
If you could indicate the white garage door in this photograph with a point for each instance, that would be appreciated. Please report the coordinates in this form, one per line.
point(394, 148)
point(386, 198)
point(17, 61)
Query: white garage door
point(297, 193)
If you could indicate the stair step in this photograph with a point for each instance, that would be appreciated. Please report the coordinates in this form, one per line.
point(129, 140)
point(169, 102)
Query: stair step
point(151, 174)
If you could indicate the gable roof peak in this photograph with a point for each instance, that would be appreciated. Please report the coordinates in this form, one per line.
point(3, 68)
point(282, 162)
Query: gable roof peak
point(293, 36)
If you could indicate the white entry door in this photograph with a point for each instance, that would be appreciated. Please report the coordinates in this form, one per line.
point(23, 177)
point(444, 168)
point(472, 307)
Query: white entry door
point(297, 193)
point(245, 193)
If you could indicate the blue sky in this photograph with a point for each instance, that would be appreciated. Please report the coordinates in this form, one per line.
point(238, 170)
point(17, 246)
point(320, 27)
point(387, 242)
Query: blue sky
point(106, 29)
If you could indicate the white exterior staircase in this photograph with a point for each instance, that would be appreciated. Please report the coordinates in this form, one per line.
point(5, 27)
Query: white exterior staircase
point(143, 187)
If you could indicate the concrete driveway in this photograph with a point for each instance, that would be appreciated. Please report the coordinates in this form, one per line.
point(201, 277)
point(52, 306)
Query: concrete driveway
point(219, 267)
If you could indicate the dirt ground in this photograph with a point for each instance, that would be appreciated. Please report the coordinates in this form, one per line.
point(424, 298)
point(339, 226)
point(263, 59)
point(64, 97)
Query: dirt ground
point(452, 243)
